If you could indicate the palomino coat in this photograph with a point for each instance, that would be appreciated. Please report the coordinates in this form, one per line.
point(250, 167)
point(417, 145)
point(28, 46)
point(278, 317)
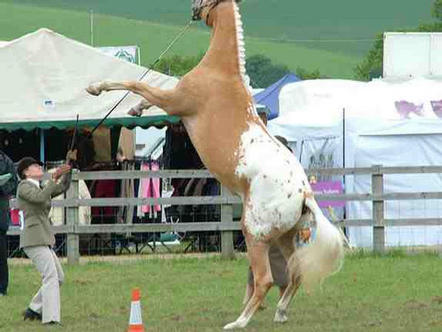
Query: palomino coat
point(35, 203)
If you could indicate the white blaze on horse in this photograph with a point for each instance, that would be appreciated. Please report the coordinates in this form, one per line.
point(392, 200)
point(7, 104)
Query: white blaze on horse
point(217, 111)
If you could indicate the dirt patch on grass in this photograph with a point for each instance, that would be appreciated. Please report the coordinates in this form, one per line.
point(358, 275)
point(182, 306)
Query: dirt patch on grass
point(415, 304)
point(374, 323)
point(176, 318)
point(437, 299)
point(81, 281)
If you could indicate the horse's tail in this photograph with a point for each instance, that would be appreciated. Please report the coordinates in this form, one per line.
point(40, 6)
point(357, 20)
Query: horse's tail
point(323, 256)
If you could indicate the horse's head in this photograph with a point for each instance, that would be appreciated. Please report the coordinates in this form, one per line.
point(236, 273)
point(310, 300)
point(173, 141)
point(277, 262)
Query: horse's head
point(202, 8)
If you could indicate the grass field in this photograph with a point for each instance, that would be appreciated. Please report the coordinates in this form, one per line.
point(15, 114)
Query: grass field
point(392, 293)
point(152, 24)
point(278, 19)
point(16, 20)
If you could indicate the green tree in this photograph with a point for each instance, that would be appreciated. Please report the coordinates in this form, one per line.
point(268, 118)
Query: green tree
point(371, 65)
point(437, 9)
point(177, 65)
point(304, 74)
point(263, 72)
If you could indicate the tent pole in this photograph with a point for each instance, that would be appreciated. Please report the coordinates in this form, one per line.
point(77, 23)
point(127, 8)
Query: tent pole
point(343, 139)
point(343, 163)
point(139, 56)
point(42, 145)
point(300, 152)
point(91, 16)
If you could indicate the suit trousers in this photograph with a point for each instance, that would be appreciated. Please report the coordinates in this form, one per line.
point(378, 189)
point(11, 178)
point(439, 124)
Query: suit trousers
point(47, 300)
point(4, 272)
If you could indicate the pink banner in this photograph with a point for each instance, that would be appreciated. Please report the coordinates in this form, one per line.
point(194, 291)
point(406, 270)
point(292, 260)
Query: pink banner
point(437, 107)
point(405, 108)
point(328, 188)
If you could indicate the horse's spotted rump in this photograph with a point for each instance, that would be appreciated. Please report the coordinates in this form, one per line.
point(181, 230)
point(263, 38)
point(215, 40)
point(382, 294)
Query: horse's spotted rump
point(277, 182)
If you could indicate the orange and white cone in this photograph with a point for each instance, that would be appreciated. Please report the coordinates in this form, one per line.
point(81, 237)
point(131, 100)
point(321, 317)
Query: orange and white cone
point(135, 320)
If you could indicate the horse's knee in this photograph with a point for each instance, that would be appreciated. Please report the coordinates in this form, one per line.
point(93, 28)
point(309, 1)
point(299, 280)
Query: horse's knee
point(263, 285)
point(135, 86)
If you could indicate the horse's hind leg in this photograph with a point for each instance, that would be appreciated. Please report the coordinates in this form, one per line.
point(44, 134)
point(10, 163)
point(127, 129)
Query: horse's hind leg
point(258, 253)
point(287, 247)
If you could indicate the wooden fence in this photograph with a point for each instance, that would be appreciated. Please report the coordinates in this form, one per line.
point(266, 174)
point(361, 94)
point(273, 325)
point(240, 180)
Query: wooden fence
point(226, 200)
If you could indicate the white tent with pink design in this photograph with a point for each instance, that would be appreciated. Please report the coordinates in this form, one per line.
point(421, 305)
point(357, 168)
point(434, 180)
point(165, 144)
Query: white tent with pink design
point(342, 123)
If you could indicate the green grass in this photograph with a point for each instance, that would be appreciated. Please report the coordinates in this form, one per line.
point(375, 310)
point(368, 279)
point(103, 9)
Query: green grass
point(371, 293)
point(278, 19)
point(16, 20)
point(271, 26)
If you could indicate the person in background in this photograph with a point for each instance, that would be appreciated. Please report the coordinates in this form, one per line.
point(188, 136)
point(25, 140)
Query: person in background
point(278, 264)
point(263, 114)
point(37, 238)
point(8, 187)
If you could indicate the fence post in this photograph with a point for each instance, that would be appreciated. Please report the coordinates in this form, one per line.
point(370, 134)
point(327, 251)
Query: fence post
point(226, 236)
point(72, 215)
point(377, 187)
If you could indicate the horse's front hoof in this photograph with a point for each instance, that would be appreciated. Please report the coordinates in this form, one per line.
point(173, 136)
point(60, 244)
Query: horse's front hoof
point(93, 90)
point(134, 112)
point(235, 325)
point(280, 316)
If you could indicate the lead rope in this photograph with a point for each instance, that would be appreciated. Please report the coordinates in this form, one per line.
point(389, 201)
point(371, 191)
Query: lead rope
point(180, 34)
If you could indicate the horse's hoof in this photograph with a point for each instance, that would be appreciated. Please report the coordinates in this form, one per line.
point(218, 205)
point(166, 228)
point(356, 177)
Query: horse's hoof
point(262, 307)
point(93, 90)
point(235, 325)
point(134, 112)
point(280, 316)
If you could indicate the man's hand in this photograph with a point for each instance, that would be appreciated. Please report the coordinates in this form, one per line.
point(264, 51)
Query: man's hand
point(120, 156)
point(71, 155)
point(63, 169)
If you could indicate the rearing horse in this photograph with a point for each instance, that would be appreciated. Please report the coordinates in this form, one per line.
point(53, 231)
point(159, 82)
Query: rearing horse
point(218, 112)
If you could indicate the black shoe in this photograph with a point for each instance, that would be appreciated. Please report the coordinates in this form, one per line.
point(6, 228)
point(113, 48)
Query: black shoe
point(53, 322)
point(31, 315)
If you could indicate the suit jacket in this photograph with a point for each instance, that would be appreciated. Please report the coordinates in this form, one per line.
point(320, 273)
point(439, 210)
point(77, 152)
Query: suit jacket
point(35, 203)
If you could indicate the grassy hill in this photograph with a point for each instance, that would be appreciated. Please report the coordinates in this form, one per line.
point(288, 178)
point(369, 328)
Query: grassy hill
point(300, 33)
point(282, 20)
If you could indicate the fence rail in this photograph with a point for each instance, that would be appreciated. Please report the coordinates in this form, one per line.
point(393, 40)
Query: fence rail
point(226, 200)
point(182, 174)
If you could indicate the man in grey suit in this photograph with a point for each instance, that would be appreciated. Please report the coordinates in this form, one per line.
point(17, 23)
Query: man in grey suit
point(37, 238)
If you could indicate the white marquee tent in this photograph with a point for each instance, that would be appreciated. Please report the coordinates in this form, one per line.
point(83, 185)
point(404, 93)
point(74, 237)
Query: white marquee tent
point(336, 123)
point(43, 81)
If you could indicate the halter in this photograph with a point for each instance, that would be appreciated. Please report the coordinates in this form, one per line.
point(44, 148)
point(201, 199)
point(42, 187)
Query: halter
point(197, 10)
point(196, 15)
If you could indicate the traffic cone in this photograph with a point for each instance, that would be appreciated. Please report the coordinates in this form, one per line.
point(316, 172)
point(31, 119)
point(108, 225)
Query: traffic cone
point(135, 320)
